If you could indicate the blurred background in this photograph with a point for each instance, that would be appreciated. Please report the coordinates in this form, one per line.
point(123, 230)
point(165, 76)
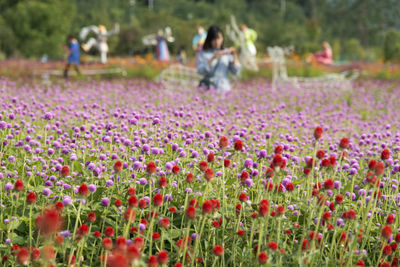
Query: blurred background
point(358, 30)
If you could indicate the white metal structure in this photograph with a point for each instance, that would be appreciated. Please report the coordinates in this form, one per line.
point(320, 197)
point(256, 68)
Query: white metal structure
point(178, 74)
point(279, 72)
point(247, 59)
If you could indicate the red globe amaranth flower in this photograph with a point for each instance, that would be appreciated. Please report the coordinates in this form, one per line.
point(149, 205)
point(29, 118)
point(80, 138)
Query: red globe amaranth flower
point(207, 207)
point(280, 210)
point(155, 236)
point(278, 162)
point(386, 231)
point(172, 209)
point(109, 231)
point(318, 132)
point(65, 171)
point(218, 250)
point(107, 243)
point(385, 154)
point(360, 263)
point(175, 169)
point(227, 163)
point(133, 252)
point(305, 245)
point(278, 150)
point(209, 174)
point(91, 217)
point(390, 219)
point(19, 185)
point(162, 257)
point(344, 143)
point(48, 253)
point(131, 191)
point(210, 157)
point(151, 168)
point(190, 212)
point(83, 230)
point(129, 215)
point(327, 215)
point(117, 259)
point(152, 261)
point(238, 209)
point(163, 181)
point(23, 256)
point(189, 178)
point(31, 198)
point(118, 166)
point(14, 249)
point(118, 203)
point(83, 190)
point(243, 197)
point(97, 234)
point(320, 154)
point(194, 203)
point(387, 250)
point(328, 184)
point(332, 160)
point(120, 243)
point(59, 206)
point(223, 142)
point(164, 222)
point(262, 258)
point(325, 163)
point(263, 209)
point(49, 222)
point(379, 168)
point(35, 254)
point(238, 145)
point(372, 164)
point(244, 175)
point(289, 187)
point(157, 200)
point(349, 215)
point(269, 173)
point(240, 233)
point(132, 201)
point(58, 240)
point(273, 245)
point(339, 198)
point(309, 162)
point(203, 165)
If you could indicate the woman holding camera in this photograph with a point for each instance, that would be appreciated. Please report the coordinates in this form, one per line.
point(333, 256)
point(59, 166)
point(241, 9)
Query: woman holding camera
point(214, 62)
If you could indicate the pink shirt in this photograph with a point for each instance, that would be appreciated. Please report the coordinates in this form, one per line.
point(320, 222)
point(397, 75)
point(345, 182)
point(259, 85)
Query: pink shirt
point(324, 57)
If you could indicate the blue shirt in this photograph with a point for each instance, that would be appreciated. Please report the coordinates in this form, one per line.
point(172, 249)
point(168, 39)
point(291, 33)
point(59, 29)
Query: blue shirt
point(74, 48)
point(219, 69)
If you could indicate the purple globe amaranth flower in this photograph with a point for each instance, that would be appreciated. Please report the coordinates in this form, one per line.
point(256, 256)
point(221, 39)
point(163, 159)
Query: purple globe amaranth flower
point(105, 201)
point(67, 200)
point(8, 186)
point(248, 163)
point(92, 188)
point(46, 191)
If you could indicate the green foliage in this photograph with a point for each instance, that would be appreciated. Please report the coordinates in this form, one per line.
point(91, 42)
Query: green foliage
point(36, 27)
point(392, 45)
point(353, 49)
point(31, 28)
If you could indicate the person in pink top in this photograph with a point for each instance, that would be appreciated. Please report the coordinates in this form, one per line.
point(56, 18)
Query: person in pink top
point(324, 56)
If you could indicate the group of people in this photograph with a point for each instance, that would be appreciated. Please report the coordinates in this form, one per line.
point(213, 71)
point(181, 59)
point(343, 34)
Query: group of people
point(214, 61)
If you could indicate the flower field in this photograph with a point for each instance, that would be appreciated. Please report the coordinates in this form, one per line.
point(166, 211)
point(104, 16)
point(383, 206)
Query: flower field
point(131, 173)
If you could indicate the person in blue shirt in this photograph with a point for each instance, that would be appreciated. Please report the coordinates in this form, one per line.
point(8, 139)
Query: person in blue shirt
point(73, 55)
point(214, 62)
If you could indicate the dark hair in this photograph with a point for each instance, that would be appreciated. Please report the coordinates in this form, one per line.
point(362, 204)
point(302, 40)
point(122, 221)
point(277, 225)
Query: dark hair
point(70, 37)
point(212, 34)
